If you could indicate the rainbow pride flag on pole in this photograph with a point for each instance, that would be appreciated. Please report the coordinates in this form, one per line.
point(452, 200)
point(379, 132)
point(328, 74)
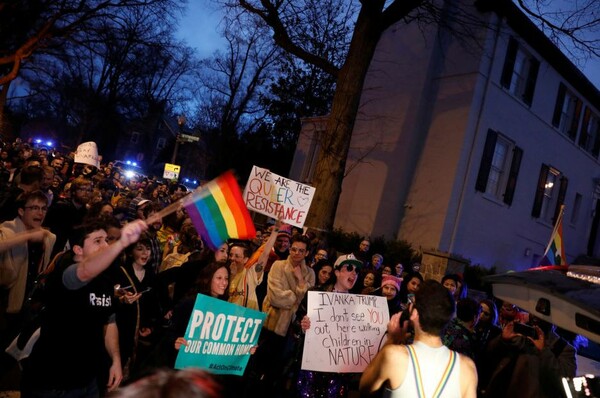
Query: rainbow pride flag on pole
point(219, 212)
point(555, 251)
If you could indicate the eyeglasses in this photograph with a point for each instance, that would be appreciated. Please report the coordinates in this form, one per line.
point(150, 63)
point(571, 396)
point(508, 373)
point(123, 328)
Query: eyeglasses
point(297, 250)
point(37, 208)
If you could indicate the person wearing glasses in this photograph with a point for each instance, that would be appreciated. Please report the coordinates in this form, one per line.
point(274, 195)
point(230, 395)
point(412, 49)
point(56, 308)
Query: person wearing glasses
point(308, 383)
point(22, 263)
point(287, 284)
point(65, 214)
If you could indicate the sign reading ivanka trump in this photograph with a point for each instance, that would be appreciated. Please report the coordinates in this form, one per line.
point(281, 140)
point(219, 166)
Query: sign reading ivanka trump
point(278, 197)
point(219, 336)
point(346, 331)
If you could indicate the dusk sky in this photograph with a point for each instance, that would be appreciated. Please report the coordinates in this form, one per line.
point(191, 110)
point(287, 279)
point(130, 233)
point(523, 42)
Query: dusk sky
point(199, 27)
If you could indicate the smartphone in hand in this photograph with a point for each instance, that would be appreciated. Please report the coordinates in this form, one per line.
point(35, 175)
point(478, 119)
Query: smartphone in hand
point(525, 330)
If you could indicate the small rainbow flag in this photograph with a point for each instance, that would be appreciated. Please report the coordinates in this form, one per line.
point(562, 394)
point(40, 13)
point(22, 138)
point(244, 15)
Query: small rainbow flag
point(219, 212)
point(555, 251)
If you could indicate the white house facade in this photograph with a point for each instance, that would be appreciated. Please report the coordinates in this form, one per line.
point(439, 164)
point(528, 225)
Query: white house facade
point(470, 149)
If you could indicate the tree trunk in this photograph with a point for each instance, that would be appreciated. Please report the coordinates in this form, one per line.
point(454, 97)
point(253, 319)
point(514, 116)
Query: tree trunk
point(331, 163)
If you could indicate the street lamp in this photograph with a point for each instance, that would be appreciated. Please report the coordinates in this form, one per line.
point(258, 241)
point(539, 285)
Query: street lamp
point(180, 122)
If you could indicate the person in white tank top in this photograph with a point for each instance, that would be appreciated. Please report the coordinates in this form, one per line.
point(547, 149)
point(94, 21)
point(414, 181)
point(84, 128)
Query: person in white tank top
point(426, 368)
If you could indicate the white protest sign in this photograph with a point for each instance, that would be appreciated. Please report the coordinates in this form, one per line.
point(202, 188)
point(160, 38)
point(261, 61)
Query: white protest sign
point(346, 331)
point(278, 197)
point(87, 153)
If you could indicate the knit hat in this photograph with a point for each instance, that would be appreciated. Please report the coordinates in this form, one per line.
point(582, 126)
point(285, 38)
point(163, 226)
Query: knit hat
point(347, 259)
point(285, 230)
point(391, 280)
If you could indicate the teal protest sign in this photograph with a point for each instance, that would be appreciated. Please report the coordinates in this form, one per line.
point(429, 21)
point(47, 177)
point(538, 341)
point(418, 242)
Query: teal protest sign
point(219, 336)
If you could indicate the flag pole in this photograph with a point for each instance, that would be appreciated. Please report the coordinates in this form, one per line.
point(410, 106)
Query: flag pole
point(555, 230)
point(173, 207)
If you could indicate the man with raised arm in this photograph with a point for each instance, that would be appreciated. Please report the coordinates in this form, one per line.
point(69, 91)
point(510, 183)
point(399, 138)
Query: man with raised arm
point(425, 368)
point(78, 324)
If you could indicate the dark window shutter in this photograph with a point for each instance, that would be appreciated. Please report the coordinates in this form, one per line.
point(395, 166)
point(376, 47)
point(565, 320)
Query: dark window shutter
point(539, 192)
point(560, 99)
point(511, 184)
point(575, 121)
point(596, 149)
point(534, 67)
point(509, 62)
point(582, 131)
point(562, 192)
point(486, 160)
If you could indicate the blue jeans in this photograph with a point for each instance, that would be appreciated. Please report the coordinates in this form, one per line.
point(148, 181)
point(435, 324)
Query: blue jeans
point(89, 391)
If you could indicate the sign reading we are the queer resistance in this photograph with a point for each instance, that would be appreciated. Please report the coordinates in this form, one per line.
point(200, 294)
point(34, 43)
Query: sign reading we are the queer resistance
point(219, 336)
point(278, 197)
point(346, 331)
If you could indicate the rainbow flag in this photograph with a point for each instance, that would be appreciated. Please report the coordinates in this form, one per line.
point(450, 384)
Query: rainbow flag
point(555, 251)
point(219, 212)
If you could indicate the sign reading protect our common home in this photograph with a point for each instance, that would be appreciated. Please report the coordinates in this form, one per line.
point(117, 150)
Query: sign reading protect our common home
point(219, 336)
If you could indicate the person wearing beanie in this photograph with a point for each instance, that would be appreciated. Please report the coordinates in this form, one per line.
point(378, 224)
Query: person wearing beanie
point(390, 289)
point(280, 251)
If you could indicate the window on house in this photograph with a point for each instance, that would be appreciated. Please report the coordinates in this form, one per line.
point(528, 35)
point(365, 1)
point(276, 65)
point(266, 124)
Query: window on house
point(550, 194)
point(576, 209)
point(135, 137)
point(566, 112)
point(499, 167)
point(161, 143)
point(520, 71)
point(589, 136)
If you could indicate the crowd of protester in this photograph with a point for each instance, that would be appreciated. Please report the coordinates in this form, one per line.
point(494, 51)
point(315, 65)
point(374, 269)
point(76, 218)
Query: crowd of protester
point(70, 231)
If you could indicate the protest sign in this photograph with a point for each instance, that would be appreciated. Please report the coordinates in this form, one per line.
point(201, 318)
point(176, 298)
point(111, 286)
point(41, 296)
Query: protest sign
point(219, 336)
point(171, 171)
point(346, 331)
point(278, 197)
point(87, 153)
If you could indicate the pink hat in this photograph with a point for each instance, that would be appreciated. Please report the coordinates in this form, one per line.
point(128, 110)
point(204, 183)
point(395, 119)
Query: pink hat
point(391, 280)
point(285, 230)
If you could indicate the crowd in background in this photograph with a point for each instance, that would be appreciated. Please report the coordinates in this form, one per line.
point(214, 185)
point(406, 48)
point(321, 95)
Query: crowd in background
point(153, 282)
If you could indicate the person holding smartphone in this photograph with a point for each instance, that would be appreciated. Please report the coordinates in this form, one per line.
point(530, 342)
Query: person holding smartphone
point(522, 365)
point(137, 309)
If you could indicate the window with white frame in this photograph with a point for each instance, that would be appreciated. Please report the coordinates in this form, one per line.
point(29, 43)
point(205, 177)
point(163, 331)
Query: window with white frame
point(567, 112)
point(499, 167)
point(589, 136)
point(550, 194)
point(519, 74)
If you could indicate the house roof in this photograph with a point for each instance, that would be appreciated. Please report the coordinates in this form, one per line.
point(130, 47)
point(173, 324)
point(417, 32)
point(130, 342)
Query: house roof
point(536, 39)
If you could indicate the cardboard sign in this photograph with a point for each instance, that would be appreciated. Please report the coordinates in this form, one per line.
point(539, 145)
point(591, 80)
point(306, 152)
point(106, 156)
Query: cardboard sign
point(219, 336)
point(278, 197)
point(171, 171)
point(87, 153)
point(346, 331)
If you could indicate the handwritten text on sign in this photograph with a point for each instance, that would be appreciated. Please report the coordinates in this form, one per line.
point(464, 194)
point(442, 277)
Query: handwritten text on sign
point(219, 336)
point(87, 153)
point(345, 331)
point(278, 197)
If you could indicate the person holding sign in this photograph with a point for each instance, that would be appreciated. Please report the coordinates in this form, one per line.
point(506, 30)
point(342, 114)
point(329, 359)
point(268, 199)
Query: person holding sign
point(288, 282)
point(425, 368)
point(328, 384)
point(213, 281)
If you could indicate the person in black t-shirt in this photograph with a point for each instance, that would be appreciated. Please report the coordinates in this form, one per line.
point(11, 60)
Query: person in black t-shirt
point(78, 322)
